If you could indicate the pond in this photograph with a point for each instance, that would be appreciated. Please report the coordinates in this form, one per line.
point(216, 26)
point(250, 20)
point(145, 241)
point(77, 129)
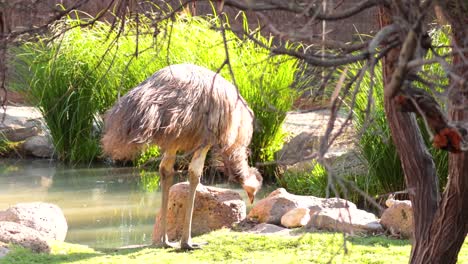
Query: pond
point(105, 206)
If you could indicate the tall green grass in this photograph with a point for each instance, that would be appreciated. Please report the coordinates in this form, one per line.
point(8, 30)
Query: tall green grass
point(376, 144)
point(317, 182)
point(74, 78)
point(385, 174)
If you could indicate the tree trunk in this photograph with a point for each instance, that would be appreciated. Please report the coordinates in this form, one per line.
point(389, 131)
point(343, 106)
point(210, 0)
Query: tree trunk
point(418, 166)
point(439, 230)
point(450, 225)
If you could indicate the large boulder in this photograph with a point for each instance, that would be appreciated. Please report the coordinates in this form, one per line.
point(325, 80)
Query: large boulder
point(398, 218)
point(38, 146)
point(279, 202)
point(26, 126)
point(24, 236)
point(21, 123)
point(269, 229)
point(306, 131)
point(351, 221)
point(48, 219)
point(214, 208)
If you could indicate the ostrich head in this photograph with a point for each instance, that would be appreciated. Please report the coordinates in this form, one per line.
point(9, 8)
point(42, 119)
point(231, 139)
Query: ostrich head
point(251, 183)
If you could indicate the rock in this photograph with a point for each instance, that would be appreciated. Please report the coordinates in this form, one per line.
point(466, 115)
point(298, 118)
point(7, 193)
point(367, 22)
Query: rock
point(297, 217)
point(279, 202)
point(21, 123)
point(298, 147)
point(398, 218)
point(48, 219)
point(3, 249)
point(350, 221)
point(24, 236)
point(26, 124)
point(269, 229)
point(307, 130)
point(214, 208)
point(38, 146)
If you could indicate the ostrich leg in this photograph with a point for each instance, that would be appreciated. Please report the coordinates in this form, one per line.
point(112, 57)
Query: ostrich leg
point(195, 172)
point(166, 171)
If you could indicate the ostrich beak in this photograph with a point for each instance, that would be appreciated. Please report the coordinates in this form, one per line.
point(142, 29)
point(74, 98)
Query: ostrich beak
point(251, 197)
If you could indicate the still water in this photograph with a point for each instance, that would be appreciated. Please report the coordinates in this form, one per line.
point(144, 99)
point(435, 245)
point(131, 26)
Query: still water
point(104, 206)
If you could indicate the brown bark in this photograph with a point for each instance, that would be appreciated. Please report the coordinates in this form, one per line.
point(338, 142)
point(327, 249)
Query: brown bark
point(417, 163)
point(439, 230)
point(450, 226)
point(446, 136)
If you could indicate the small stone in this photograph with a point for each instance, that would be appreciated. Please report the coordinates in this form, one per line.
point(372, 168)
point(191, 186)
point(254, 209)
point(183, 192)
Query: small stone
point(297, 217)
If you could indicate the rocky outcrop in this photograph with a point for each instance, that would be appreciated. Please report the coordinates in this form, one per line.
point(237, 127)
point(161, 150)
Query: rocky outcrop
point(314, 213)
point(25, 126)
point(47, 219)
point(398, 218)
point(279, 202)
point(24, 236)
point(214, 208)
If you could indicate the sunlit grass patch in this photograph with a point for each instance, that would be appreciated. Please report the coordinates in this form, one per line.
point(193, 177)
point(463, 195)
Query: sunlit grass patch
point(233, 247)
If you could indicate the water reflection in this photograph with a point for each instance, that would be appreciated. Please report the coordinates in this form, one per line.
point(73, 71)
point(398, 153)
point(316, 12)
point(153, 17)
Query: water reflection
point(104, 206)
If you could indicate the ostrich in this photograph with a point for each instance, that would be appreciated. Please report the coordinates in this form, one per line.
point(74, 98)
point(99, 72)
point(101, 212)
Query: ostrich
point(190, 109)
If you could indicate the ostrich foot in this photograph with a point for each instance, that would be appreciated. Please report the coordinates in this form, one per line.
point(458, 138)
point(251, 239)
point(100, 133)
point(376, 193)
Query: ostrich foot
point(167, 244)
point(192, 246)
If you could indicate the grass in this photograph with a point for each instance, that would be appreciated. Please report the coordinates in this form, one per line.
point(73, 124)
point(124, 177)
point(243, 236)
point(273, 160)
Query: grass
point(6, 146)
point(317, 183)
point(233, 247)
point(313, 183)
point(375, 144)
point(385, 174)
point(79, 75)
